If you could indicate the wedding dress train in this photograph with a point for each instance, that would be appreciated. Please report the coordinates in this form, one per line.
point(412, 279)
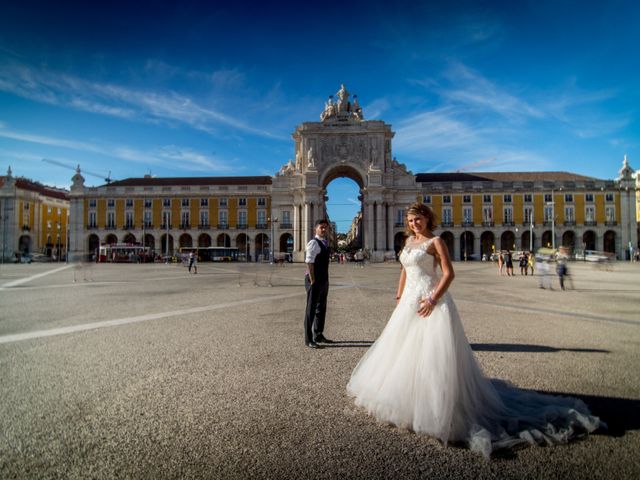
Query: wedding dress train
point(421, 374)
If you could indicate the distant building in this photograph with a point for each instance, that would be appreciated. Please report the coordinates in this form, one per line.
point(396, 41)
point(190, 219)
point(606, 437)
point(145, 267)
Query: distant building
point(33, 218)
point(477, 212)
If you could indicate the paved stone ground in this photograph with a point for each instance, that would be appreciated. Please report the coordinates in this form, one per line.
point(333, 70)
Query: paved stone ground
point(144, 371)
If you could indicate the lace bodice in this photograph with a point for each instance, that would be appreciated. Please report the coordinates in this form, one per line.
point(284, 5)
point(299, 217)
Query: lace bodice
point(421, 269)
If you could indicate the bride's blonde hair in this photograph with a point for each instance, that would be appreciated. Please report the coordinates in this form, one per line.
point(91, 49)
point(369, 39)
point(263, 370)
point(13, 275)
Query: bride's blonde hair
point(420, 209)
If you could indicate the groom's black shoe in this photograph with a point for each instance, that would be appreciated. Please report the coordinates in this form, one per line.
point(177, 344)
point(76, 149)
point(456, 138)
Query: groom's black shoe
point(313, 345)
point(322, 339)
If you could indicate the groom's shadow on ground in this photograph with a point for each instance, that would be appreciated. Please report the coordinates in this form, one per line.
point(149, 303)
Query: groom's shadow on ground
point(348, 344)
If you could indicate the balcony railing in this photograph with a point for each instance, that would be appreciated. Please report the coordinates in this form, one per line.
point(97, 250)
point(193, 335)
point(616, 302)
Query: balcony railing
point(611, 223)
point(508, 224)
point(92, 226)
point(262, 226)
point(487, 224)
point(446, 224)
point(204, 226)
point(164, 226)
point(590, 223)
point(286, 226)
point(185, 226)
point(527, 224)
point(547, 223)
point(223, 226)
point(467, 224)
point(569, 223)
point(148, 225)
point(110, 227)
point(26, 228)
point(129, 226)
point(242, 226)
point(398, 224)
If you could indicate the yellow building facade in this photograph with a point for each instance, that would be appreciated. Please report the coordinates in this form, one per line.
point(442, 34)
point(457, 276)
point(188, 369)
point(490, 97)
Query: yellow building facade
point(34, 218)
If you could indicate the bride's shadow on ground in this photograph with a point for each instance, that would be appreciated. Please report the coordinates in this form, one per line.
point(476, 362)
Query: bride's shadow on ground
point(620, 414)
point(518, 347)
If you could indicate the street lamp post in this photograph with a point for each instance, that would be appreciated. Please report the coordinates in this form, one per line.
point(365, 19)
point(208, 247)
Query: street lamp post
point(552, 203)
point(274, 220)
point(531, 232)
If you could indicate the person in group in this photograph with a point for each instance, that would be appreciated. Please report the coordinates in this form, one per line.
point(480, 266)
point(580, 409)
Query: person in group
point(193, 262)
point(523, 262)
point(316, 282)
point(421, 373)
point(543, 275)
point(500, 263)
point(531, 261)
point(563, 272)
point(508, 262)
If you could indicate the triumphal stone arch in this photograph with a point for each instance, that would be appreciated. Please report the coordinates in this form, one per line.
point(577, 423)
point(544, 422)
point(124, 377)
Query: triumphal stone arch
point(344, 144)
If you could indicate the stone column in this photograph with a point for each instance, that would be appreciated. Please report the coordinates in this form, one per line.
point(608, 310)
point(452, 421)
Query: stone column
point(380, 229)
point(368, 231)
point(476, 245)
point(456, 245)
point(390, 223)
point(296, 229)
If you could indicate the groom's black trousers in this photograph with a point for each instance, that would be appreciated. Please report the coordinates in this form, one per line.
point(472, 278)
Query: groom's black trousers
point(316, 308)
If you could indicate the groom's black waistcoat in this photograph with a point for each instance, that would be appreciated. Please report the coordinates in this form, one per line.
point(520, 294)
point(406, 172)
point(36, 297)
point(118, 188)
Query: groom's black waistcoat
point(321, 264)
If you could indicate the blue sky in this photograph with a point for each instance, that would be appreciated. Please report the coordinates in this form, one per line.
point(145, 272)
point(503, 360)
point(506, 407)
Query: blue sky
point(207, 88)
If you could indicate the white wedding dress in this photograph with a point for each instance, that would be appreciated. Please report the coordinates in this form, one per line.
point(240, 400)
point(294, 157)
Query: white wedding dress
point(421, 374)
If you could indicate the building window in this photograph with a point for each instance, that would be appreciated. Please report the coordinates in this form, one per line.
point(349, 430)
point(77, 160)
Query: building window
point(223, 218)
point(528, 215)
point(262, 202)
point(426, 199)
point(610, 214)
point(129, 202)
point(166, 202)
point(185, 202)
point(548, 213)
point(608, 197)
point(467, 215)
point(111, 203)
point(92, 202)
point(223, 201)
point(486, 198)
point(568, 197)
point(147, 203)
point(466, 199)
point(487, 214)
point(447, 217)
point(569, 215)
point(204, 218)
point(590, 214)
point(242, 219)
point(128, 219)
point(508, 215)
point(242, 202)
point(548, 197)
point(286, 218)
point(185, 219)
point(26, 206)
point(111, 219)
point(528, 198)
point(262, 217)
point(507, 198)
point(93, 220)
point(166, 219)
point(588, 197)
point(204, 202)
point(147, 219)
point(446, 199)
point(400, 218)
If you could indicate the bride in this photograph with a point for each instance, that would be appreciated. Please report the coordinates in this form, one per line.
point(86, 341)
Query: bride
point(422, 375)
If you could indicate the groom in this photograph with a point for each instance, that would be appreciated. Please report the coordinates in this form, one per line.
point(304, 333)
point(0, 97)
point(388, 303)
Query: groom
point(316, 281)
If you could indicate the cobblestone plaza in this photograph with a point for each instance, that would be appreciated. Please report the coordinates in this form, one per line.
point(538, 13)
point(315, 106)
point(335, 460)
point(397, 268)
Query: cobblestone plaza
point(145, 371)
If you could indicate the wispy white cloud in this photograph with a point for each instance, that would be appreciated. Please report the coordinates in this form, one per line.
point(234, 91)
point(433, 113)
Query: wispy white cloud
point(167, 156)
point(51, 87)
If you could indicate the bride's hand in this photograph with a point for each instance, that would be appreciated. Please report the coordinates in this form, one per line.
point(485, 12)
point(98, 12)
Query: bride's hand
point(425, 308)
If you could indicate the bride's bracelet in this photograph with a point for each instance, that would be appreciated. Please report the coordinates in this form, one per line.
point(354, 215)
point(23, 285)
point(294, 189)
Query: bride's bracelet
point(431, 301)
